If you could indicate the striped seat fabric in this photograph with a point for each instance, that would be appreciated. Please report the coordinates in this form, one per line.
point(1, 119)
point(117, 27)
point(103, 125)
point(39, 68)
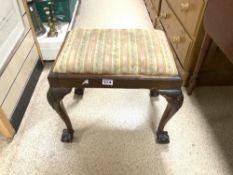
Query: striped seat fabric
point(116, 52)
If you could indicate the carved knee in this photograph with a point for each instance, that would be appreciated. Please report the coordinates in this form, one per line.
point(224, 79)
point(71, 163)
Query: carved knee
point(55, 95)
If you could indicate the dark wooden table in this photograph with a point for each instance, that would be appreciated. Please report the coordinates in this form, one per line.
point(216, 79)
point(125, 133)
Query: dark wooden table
point(218, 24)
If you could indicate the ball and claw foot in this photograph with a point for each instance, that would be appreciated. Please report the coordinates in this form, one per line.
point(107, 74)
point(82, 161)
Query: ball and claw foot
point(163, 137)
point(67, 136)
point(154, 93)
point(79, 91)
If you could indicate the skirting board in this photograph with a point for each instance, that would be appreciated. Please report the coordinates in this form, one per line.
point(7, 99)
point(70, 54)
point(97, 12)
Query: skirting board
point(22, 105)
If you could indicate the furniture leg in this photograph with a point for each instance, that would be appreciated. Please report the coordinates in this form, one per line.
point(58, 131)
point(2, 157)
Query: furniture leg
point(154, 93)
point(175, 101)
point(201, 57)
point(55, 96)
point(79, 91)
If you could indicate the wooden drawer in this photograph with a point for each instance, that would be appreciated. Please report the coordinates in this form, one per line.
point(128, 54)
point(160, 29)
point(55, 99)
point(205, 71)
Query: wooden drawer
point(189, 12)
point(26, 23)
point(179, 39)
point(20, 3)
point(17, 88)
point(151, 10)
point(149, 5)
point(156, 4)
point(153, 16)
point(8, 76)
point(146, 2)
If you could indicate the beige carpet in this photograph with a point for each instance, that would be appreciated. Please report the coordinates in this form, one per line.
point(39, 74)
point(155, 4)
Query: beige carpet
point(113, 14)
point(114, 135)
point(114, 128)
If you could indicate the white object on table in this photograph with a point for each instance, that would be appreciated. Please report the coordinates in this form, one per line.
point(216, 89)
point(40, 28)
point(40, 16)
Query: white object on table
point(50, 46)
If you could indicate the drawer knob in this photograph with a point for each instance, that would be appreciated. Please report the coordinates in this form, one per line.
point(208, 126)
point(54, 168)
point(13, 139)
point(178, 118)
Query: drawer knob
point(163, 15)
point(176, 39)
point(185, 6)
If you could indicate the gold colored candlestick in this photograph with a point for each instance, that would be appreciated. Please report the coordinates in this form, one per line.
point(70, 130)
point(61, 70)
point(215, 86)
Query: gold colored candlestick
point(52, 23)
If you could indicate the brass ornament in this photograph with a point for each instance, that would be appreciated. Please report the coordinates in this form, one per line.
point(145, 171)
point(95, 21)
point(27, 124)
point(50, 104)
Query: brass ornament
point(52, 22)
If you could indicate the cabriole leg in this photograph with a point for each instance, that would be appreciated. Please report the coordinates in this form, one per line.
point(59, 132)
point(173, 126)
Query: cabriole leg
point(175, 101)
point(154, 92)
point(79, 91)
point(55, 96)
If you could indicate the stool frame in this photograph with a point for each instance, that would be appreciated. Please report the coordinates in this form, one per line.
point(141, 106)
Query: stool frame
point(61, 84)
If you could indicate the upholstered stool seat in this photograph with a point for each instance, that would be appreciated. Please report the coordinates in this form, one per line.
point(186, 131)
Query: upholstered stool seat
point(115, 58)
point(116, 52)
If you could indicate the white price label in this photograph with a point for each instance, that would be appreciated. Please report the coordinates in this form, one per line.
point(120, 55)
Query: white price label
point(107, 82)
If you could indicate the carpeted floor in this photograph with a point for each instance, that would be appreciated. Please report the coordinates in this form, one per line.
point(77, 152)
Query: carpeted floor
point(114, 128)
point(113, 14)
point(114, 135)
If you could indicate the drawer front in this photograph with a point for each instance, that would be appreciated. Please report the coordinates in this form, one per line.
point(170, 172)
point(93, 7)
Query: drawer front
point(155, 4)
point(17, 88)
point(153, 16)
point(26, 23)
point(20, 2)
point(179, 39)
point(147, 2)
point(189, 12)
point(8, 76)
point(149, 5)
point(151, 10)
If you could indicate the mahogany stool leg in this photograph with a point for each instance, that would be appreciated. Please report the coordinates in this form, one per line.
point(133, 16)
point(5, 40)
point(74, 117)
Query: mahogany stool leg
point(79, 91)
point(175, 101)
point(55, 96)
point(154, 93)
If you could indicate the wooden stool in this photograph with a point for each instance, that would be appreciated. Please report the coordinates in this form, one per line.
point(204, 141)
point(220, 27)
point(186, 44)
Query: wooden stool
point(115, 58)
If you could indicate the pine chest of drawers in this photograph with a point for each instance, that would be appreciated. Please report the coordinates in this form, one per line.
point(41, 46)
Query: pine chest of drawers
point(182, 22)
